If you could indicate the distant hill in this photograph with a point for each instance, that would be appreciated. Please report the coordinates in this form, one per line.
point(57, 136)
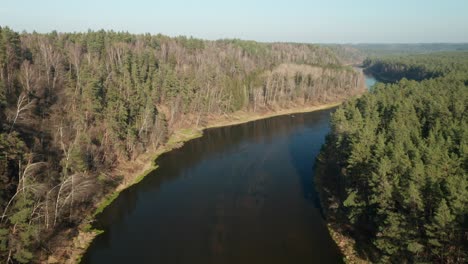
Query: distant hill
point(356, 53)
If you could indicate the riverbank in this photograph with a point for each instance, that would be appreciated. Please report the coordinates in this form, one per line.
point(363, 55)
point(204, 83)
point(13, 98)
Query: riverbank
point(71, 250)
point(337, 223)
point(378, 77)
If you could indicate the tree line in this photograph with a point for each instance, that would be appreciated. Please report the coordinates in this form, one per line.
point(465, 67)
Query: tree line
point(417, 66)
point(394, 166)
point(73, 106)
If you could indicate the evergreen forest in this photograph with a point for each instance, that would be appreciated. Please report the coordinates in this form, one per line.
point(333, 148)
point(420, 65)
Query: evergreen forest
point(394, 166)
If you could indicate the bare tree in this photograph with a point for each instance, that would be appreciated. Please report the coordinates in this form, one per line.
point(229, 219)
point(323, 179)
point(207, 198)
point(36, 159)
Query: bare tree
point(30, 169)
point(27, 76)
point(22, 104)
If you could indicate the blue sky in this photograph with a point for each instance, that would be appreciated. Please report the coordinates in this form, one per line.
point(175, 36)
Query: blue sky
point(325, 21)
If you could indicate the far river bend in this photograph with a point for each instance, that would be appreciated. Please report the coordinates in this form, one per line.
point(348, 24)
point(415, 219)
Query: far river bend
point(239, 194)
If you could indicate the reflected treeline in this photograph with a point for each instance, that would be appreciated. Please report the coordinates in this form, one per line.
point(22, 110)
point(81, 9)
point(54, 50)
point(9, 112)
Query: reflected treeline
point(303, 158)
point(237, 181)
point(215, 142)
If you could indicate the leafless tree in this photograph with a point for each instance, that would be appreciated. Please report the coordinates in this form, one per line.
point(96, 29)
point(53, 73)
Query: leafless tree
point(22, 104)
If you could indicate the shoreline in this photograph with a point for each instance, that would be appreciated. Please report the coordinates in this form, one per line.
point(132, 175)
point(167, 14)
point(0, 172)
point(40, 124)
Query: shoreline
point(331, 211)
point(138, 169)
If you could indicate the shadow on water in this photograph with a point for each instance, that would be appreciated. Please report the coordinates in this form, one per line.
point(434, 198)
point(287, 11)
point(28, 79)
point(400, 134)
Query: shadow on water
point(239, 194)
point(304, 147)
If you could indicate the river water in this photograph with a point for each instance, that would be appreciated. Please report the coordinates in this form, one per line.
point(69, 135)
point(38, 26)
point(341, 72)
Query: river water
point(370, 81)
point(239, 194)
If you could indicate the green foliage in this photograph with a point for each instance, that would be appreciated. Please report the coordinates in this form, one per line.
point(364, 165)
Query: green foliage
point(251, 48)
point(84, 103)
point(2, 97)
point(417, 67)
point(12, 149)
point(191, 43)
point(407, 49)
point(402, 155)
point(20, 242)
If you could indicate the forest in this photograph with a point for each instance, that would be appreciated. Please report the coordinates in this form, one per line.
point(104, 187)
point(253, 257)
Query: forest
point(394, 166)
point(73, 106)
point(416, 66)
point(400, 49)
point(355, 54)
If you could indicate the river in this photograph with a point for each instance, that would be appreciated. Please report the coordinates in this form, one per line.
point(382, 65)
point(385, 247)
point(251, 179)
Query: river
point(370, 81)
point(239, 194)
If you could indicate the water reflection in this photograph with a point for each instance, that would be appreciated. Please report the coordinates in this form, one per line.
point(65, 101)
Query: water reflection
point(240, 194)
point(370, 81)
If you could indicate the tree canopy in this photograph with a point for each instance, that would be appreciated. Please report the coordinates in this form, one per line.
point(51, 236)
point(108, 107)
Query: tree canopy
point(396, 161)
point(73, 106)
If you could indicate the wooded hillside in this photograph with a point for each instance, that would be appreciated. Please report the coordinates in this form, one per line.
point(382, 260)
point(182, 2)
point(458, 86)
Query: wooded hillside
point(417, 67)
point(74, 106)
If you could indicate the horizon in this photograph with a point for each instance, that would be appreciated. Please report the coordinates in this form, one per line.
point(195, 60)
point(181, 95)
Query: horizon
point(205, 39)
point(298, 21)
point(211, 131)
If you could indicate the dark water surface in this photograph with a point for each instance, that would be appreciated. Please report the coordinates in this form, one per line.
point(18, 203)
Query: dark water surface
point(239, 194)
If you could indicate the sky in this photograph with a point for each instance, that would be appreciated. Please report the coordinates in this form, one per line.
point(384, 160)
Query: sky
point(308, 21)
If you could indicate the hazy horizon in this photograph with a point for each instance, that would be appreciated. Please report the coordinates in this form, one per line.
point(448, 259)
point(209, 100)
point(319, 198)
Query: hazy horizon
point(298, 21)
point(243, 39)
